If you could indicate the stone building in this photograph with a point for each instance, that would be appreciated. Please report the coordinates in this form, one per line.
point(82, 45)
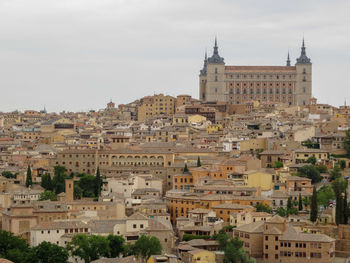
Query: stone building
point(291, 85)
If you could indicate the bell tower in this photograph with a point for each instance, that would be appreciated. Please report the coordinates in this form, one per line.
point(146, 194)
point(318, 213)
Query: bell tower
point(304, 78)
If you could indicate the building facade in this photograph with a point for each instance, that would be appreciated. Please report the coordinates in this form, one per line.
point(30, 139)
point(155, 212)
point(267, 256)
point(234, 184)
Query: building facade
point(291, 85)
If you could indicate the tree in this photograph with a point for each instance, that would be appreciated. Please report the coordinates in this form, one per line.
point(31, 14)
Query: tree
point(222, 239)
point(147, 246)
point(186, 168)
point(339, 188)
point(116, 245)
point(342, 164)
point(87, 183)
point(234, 252)
point(46, 182)
point(312, 160)
point(12, 247)
point(277, 164)
point(89, 248)
point(263, 208)
point(9, 175)
point(336, 172)
point(281, 211)
point(58, 181)
point(47, 252)
point(314, 206)
point(199, 162)
point(346, 208)
point(300, 203)
point(98, 182)
point(48, 195)
point(346, 142)
point(321, 168)
point(29, 181)
point(310, 172)
point(78, 192)
point(324, 195)
point(289, 204)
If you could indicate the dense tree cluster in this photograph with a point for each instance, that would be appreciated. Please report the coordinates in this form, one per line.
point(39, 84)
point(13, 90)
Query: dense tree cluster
point(17, 250)
point(85, 247)
point(233, 249)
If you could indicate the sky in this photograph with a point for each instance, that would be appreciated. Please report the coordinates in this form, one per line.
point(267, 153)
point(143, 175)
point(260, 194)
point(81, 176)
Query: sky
point(77, 55)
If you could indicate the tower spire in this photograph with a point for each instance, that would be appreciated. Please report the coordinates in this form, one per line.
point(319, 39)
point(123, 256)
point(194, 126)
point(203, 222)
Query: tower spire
point(203, 71)
point(215, 58)
point(303, 59)
point(288, 60)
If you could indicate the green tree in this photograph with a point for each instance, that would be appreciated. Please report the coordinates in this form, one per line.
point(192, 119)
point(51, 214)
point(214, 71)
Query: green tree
point(87, 183)
point(314, 206)
point(48, 195)
point(277, 164)
point(342, 164)
point(116, 245)
point(98, 182)
point(78, 192)
point(128, 249)
point(346, 208)
point(339, 188)
point(46, 182)
point(310, 172)
point(281, 211)
point(147, 246)
point(321, 168)
point(336, 172)
point(234, 252)
point(300, 203)
point(9, 175)
point(263, 208)
point(312, 160)
point(346, 142)
point(199, 162)
point(222, 238)
point(186, 168)
point(47, 252)
point(89, 248)
point(324, 195)
point(29, 181)
point(12, 247)
point(289, 203)
point(58, 180)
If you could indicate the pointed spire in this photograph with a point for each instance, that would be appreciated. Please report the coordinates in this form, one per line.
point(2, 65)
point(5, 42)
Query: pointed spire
point(288, 60)
point(303, 59)
point(216, 47)
point(203, 71)
point(215, 58)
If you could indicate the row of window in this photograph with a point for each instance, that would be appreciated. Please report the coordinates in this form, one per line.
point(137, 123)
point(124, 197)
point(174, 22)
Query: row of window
point(259, 91)
point(258, 76)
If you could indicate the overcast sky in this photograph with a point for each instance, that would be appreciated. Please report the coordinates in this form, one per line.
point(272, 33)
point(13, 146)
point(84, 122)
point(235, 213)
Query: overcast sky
point(79, 54)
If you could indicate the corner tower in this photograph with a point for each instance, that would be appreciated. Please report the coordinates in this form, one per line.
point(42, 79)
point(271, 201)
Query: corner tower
point(303, 90)
point(212, 78)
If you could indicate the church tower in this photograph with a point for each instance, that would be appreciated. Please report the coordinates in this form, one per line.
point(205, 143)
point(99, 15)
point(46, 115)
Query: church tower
point(303, 87)
point(212, 78)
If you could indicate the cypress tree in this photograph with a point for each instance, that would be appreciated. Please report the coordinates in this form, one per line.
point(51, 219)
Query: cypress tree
point(29, 177)
point(345, 209)
point(300, 203)
point(98, 184)
point(314, 207)
point(186, 168)
point(198, 162)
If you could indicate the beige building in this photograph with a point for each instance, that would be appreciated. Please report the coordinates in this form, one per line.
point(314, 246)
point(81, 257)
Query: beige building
point(155, 105)
point(274, 240)
point(291, 85)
